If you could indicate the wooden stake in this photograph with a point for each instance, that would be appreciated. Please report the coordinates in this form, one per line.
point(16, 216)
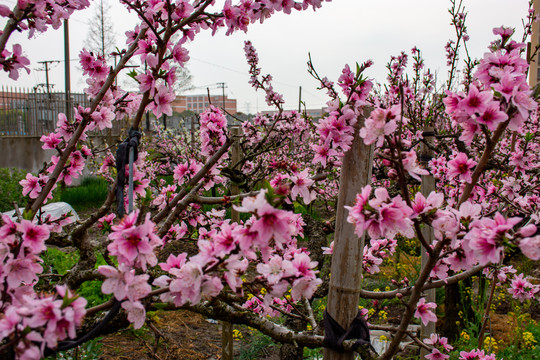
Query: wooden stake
point(346, 269)
point(227, 347)
point(428, 185)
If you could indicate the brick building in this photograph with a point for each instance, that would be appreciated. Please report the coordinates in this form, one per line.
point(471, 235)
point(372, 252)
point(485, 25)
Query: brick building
point(314, 113)
point(198, 103)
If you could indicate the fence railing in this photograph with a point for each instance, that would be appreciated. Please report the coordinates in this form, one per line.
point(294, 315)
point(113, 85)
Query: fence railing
point(26, 112)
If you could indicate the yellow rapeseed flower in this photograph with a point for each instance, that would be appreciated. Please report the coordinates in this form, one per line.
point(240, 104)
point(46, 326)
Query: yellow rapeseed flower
point(490, 343)
point(237, 335)
point(529, 342)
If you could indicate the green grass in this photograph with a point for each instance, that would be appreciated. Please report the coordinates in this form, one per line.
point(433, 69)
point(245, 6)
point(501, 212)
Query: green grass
point(10, 189)
point(90, 194)
point(59, 262)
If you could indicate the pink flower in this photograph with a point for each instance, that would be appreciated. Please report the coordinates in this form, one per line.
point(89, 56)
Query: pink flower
point(8, 231)
point(302, 182)
point(504, 32)
point(50, 141)
point(492, 116)
point(187, 285)
point(437, 355)
point(34, 236)
point(225, 240)
point(22, 270)
point(302, 265)
point(521, 288)
point(105, 222)
point(476, 101)
point(328, 250)
point(411, 165)
point(9, 322)
point(30, 186)
point(270, 222)
point(123, 283)
point(530, 247)
point(174, 262)
point(381, 122)
point(304, 288)
point(424, 313)
point(391, 216)
point(485, 238)
point(461, 166)
point(322, 153)
point(136, 313)
point(17, 61)
point(421, 205)
point(146, 82)
point(180, 54)
point(162, 101)
point(275, 269)
point(439, 341)
point(132, 244)
point(103, 118)
point(474, 354)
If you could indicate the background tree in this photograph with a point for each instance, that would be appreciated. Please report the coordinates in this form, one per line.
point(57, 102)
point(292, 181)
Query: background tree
point(101, 38)
point(184, 80)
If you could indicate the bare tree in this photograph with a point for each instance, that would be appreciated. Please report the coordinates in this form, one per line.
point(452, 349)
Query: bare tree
point(101, 38)
point(183, 80)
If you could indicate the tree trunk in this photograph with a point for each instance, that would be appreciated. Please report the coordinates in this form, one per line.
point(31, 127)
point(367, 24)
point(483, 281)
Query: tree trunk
point(451, 310)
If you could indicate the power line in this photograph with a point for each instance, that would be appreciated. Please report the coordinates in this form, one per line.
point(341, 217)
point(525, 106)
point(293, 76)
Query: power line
point(239, 72)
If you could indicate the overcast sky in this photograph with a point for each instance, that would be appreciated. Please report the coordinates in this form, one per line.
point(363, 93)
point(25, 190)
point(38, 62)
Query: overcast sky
point(341, 32)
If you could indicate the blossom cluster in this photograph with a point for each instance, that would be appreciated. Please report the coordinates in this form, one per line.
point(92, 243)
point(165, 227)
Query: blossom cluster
point(33, 16)
point(336, 131)
point(226, 250)
point(501, 84)
point(213, 130)
point(33, 320)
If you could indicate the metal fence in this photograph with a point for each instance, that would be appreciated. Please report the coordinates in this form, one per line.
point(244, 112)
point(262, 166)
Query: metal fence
point(25, 112)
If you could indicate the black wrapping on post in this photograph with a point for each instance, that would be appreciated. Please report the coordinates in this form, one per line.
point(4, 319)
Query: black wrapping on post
point(70, 344)
point(335, 335)
point(424, 158)
point(122, 158)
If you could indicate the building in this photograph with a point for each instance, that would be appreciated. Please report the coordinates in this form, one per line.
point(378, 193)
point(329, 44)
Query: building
point(198, 103)
point(314, 113)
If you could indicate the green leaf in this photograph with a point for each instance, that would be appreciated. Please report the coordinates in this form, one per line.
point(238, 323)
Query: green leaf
point(28, 215)
point(132, 74)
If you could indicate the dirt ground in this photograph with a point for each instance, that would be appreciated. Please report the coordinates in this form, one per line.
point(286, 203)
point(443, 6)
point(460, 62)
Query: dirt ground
point(180, 334)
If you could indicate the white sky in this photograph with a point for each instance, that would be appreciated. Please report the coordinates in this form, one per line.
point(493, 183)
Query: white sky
point(341, 32)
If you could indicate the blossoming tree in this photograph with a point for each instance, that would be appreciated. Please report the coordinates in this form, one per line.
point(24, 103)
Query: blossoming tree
point(254, 270)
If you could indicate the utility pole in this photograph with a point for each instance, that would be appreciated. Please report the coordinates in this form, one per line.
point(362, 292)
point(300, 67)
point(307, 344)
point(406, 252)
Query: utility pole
point(534, 44)
point(222, 86)
point(300, 99)
point(67, 70)
point(46, 66)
